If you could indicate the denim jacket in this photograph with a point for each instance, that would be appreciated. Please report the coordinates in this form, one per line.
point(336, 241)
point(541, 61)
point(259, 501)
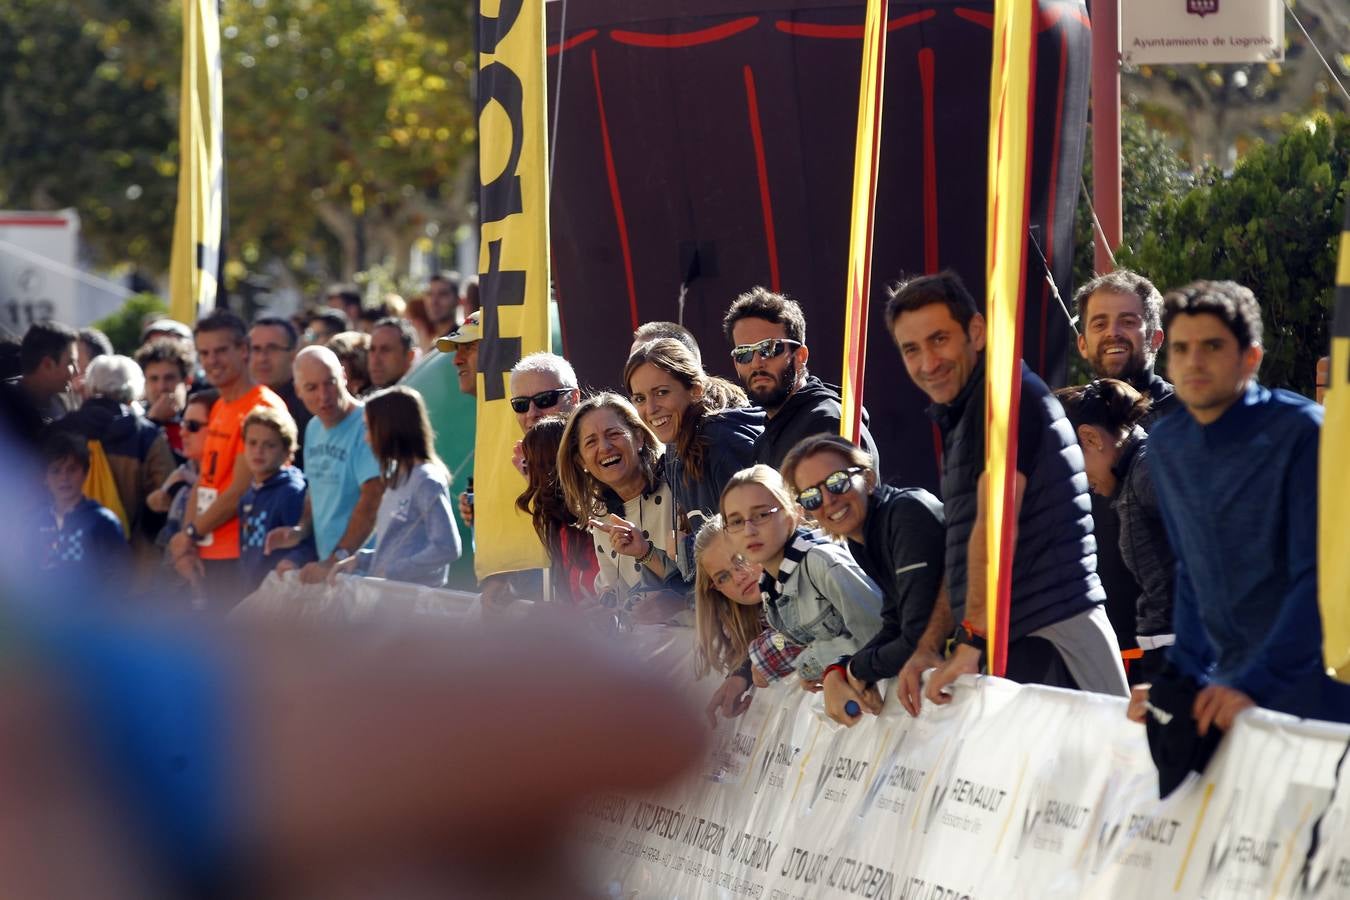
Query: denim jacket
point(821, 600)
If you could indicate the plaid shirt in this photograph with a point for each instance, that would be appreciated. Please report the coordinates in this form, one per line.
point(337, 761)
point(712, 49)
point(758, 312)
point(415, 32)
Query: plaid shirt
point(771, 660)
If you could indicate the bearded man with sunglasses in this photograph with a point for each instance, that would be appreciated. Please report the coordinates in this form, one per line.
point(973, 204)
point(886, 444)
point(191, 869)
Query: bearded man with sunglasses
point(768, 336)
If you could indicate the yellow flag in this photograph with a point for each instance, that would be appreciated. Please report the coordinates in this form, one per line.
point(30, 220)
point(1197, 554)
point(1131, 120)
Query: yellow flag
point(1010, 117)
point(201, 174)
point(865, 158)
point(512, 268)
point(1333, 527)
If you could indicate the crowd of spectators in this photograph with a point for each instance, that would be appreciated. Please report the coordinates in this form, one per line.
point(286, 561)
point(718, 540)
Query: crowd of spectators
point(1163, 532)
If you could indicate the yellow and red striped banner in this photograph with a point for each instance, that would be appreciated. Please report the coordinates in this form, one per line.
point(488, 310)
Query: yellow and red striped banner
point(195, 259)
point(1010, 131)
point(513, 268)
point(1333, 527)
point(865, 161)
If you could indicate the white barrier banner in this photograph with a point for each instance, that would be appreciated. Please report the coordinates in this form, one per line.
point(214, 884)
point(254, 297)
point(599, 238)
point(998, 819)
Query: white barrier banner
point(1008, 792)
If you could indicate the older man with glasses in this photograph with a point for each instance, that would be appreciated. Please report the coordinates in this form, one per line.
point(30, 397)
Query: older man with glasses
point(768, 334)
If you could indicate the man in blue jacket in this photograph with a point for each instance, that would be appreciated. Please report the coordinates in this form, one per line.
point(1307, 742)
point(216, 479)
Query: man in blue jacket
point(1237, 483)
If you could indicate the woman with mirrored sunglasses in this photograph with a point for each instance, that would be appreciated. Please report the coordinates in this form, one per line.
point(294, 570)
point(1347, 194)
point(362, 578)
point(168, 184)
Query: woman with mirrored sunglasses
point(897, 536)
point(707, 427)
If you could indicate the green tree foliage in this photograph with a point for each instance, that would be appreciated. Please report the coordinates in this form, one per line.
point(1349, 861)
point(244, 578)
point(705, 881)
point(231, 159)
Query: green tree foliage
point(348, 129)
point(1151, 174)
point(1272, 225)
point(86, 121)
point(123, 327)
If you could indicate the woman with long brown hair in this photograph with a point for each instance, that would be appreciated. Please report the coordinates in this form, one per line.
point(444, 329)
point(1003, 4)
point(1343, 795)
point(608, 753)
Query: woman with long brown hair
point(571, 552)
point(706, 424)
point(416, 538)
point(609, 469)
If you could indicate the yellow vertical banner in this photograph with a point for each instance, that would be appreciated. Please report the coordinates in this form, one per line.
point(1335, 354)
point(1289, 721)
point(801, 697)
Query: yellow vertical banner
point(865, 160)
point(195, 259)
point(1333, 526)
point(512, 267)
point(1011, 108)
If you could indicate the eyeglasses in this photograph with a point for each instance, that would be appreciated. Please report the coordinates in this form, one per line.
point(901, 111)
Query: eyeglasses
point(836, 483)
point(271, 348)
point(736, 526)
point(541, 400)
point(738, 564)
point(743, 354)
point(193, 425)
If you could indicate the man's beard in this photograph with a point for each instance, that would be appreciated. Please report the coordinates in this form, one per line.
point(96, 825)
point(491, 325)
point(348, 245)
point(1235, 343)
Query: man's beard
point(770, 399)
point(1136, 367)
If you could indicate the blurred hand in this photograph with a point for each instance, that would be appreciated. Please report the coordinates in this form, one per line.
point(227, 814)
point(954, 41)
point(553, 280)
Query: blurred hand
point(837, 694)
point(1137, 711)
point(518, 457)
point(657, 609)
point(965, 660)
point(731, 700)
point(283, 538)
point(1218, 705)
point(909, 684)
point(466, 508)
point(315, 572)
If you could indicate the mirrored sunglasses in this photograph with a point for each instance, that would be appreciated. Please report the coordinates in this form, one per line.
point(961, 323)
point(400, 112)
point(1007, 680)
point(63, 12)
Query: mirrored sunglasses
point(769, 349)
point(836, 483)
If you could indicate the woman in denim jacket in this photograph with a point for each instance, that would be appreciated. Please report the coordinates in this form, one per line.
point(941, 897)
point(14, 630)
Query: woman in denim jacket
point(815, 594)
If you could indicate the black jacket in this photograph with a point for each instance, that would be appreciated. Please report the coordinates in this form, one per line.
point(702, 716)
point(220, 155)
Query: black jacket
point(811, 409)
point(730, 436)
point(1122, 588)
point(1143, 539)
point(1055, 563)
point(902, 552)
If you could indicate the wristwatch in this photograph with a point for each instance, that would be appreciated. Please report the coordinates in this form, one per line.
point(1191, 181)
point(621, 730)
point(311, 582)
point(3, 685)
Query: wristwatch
point(965, 636)
point(340, 554)
point(192, 532)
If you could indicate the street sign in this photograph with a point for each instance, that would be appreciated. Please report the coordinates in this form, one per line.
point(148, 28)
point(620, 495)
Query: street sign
point(1201, 31)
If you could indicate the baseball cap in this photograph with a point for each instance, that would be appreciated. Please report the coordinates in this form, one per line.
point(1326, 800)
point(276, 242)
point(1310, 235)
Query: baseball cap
point(467, 333)
point(166, 326)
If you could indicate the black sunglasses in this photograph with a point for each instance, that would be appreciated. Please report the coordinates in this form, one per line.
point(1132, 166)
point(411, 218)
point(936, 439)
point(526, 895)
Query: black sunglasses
point(193, 426)
point(541, 400)
point(836, 483)
point(769, 349)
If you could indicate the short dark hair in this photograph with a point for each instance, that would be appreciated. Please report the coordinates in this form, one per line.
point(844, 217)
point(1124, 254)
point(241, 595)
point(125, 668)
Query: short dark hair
point(912, 294)
point(1232, 303)
point(205, 397)
point(1122, 281)
point(44, 340)
point(407, 335)
point(335, 319)
point(450, 277)
point(762, 303)
point(1107, 402)
point(222, 320)
point(62, 445)
point(96, 341)
point(349, 293)
point(285, 324)
point(170, 350)
point(652, 331)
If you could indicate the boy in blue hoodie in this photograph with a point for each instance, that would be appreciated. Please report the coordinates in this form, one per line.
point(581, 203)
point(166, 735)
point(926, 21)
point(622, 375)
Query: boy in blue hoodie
point(275, 498)
point(76, 535)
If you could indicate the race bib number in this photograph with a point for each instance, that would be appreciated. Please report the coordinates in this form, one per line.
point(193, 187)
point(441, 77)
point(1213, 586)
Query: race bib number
point(205, 497)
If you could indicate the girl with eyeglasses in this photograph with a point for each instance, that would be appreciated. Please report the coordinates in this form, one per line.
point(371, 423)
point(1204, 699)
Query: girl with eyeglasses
point(571, 552)
point(708, 431)
point(815, 595)
point(898, 537)
point(1106, 415)
point(609, 468)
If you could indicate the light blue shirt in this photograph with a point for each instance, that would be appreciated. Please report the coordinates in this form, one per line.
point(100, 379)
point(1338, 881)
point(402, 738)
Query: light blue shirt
point(337, 462)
